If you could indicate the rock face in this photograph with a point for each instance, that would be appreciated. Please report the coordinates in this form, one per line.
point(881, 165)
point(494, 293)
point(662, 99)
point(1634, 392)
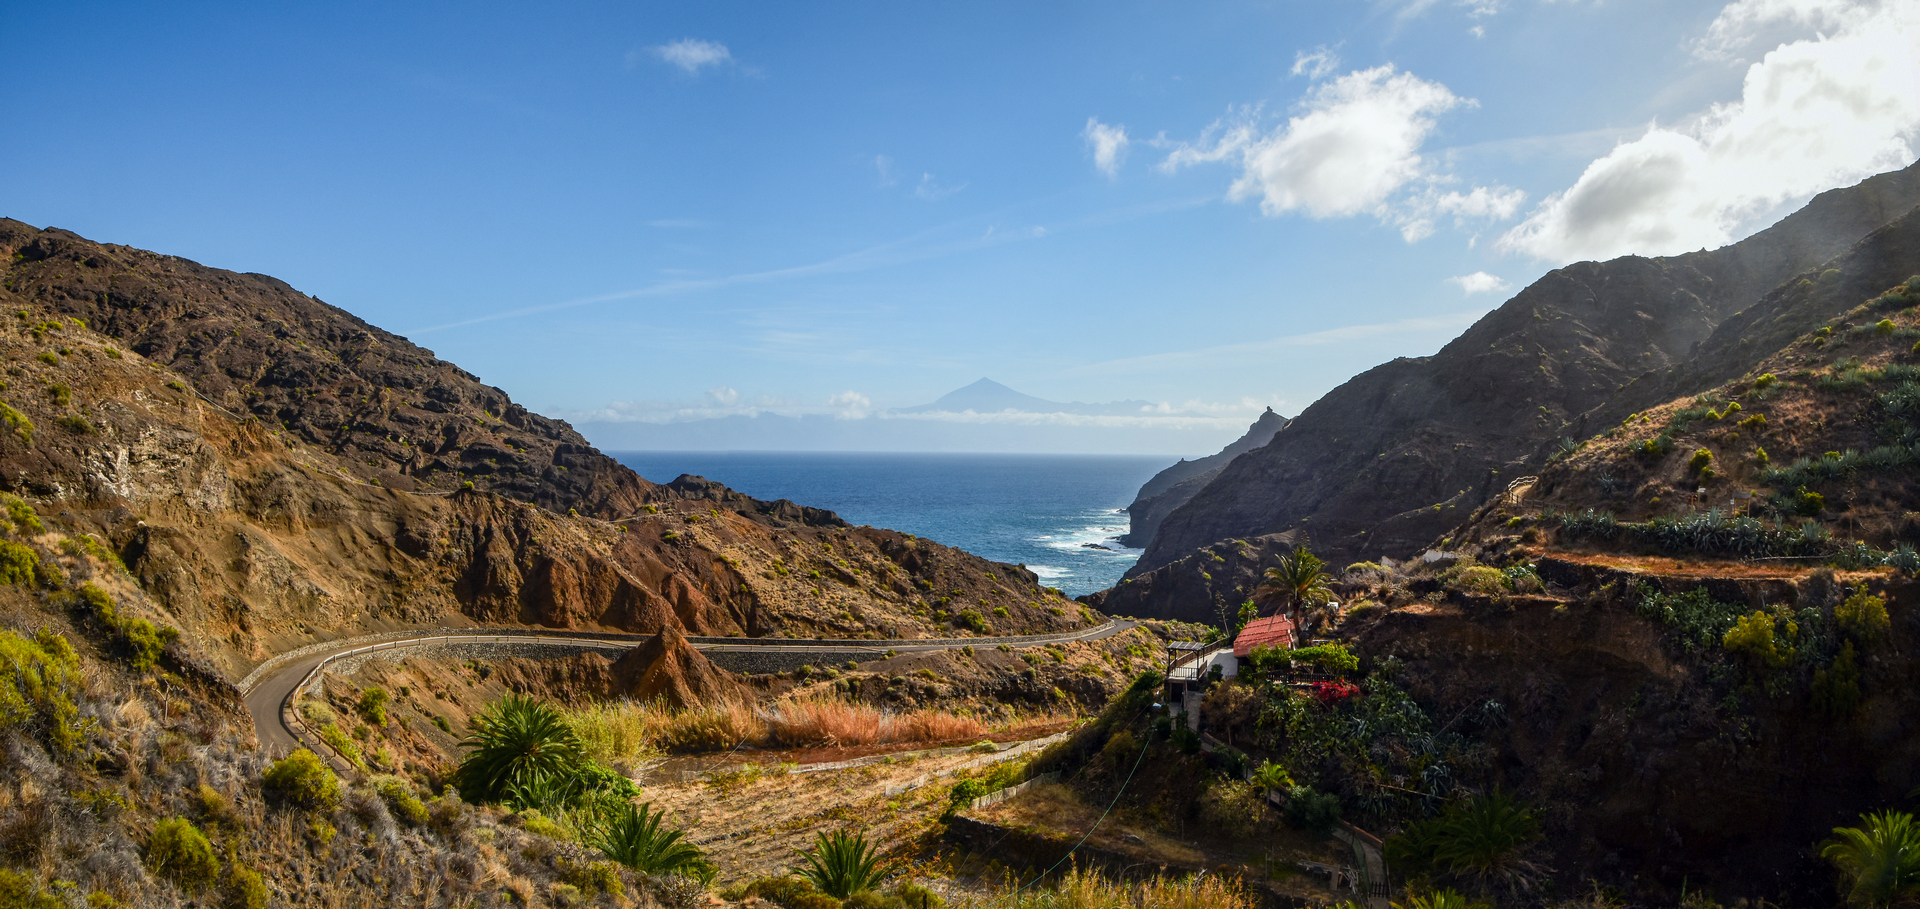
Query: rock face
point(1171, 488)
point(278, 474)
point(667, 668)
point(1389, 461)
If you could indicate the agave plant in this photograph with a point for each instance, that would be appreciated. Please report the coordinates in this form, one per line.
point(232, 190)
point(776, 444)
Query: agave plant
point(841, 865)
point(632, 835)
point(518, 744)
point(1881, 857)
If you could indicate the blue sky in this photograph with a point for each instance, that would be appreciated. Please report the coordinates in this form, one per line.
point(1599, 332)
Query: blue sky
point(646, 212)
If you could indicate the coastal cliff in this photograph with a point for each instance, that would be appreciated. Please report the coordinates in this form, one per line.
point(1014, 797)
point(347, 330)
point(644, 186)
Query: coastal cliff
point(1171, 488)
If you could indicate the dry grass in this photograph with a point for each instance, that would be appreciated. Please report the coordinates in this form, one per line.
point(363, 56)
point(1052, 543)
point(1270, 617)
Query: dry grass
point(626, 731)
point(1079, 889)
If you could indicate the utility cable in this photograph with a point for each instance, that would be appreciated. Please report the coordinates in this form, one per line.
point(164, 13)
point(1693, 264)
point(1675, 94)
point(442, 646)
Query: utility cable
point(1144, 748)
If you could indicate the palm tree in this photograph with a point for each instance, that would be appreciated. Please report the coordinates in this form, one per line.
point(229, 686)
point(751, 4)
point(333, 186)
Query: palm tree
point(517, 744)
point(1883, 860)
point(1296, 582)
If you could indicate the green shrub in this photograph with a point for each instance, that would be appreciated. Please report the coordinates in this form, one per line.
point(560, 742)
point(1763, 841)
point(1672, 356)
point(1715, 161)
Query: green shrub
point(914, 896)
point(40, 685)
point(20, 514)
point(1655, 448)
point(1752, 637)
point(1808, 503)
point(20, 891)
point(791, 893)
point(1701, 464)
point(873, 899)
point(19, 564)
point(1234, 808)
point(135, 640)
point(972, 619)
point(1836, 688)
point(1311, 810)
point(76, 424)
point(1766, 381)
point(841, 865)
point(399, 796)
point(18, 422)
point(302, 779)
point(373, 705)
point(1482, 580)
point(246, 888)
point(1334, 658)
point(1863, 616)
point(179, 852)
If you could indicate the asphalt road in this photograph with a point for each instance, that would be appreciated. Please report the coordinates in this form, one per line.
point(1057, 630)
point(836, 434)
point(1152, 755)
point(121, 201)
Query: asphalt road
point(274, 690)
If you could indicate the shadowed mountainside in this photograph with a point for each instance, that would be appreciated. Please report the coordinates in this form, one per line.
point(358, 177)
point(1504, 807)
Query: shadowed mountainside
point(1171, 488)
point(1387, 462)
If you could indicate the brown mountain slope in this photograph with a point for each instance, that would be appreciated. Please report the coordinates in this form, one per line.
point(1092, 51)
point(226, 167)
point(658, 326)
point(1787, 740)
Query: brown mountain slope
point(254, 540)
point(1387, 462)
point(390, 410)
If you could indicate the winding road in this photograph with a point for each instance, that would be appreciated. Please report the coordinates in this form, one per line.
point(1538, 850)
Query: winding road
point(270, 689)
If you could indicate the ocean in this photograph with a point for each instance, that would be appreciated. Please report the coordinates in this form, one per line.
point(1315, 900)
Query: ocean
point(1038, 510)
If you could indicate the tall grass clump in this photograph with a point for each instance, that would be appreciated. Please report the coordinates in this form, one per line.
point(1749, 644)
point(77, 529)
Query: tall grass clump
point(613, 731)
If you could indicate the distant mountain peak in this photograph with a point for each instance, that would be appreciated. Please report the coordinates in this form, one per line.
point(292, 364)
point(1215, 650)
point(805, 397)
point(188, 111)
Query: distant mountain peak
point(988, 396)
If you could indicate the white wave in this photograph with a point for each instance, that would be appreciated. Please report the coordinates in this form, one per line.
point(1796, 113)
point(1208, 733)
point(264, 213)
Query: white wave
point(1048, 571)
point(1098, 537)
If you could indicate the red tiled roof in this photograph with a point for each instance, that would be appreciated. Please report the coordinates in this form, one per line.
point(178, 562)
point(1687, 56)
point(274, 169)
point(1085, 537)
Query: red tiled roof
point(1273, 631)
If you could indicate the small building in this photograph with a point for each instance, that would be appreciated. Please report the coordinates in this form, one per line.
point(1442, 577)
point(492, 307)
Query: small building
point(1273, 631)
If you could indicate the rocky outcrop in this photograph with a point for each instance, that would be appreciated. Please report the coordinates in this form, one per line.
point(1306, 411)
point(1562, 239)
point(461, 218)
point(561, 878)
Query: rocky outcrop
point(667, 668)
point(1171, 488)
point(1392, 459)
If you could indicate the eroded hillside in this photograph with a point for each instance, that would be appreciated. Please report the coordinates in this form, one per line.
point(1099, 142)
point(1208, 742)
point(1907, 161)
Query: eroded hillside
point(248, 517)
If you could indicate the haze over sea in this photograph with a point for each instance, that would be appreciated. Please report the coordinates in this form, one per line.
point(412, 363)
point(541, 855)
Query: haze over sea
point(1036, 510)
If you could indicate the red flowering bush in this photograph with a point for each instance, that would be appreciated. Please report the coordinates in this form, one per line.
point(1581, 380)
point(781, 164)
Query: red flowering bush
point(1335, 691)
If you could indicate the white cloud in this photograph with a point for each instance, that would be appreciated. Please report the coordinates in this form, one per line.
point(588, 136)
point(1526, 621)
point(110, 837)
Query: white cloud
point(1316, 64)
point(884, 165)
point(691, 54)
point(850, 405)
point(1036, 418)
point(1415, 215)
point(932, 190)
point(724, 396)
point(1109, 145)
point(1353, 149)
point(1479, 282)
point(1813, 114)
point(1743, 22)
